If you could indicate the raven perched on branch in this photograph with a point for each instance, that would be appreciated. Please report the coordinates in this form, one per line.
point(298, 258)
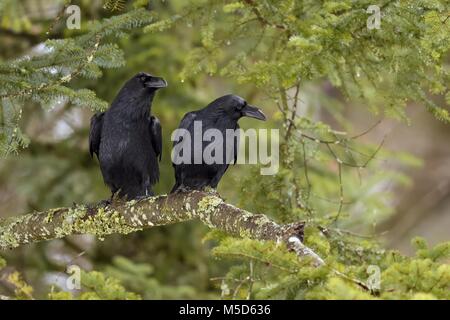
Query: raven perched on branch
point(220, 115)
point(127, 139)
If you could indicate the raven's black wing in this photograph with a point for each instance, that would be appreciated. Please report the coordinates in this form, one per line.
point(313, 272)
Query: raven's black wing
point(95, 133)
point(185, 123)
point(187, 120)
point(156, 136)
point(229, 159)
point(236, 144)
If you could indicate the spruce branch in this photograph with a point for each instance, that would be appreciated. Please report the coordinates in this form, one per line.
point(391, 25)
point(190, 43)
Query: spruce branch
point(261, 18)
point(126, 217)
point(62, 80)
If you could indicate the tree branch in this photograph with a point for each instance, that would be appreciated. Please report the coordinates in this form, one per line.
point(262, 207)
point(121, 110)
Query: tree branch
point(260, 17)
point(125, 217)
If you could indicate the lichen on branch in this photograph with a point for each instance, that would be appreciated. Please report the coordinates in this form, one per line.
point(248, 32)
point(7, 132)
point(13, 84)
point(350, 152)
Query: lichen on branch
point(126, 217)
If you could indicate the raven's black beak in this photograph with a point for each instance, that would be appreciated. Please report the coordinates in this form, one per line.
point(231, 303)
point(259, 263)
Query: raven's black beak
point(253, 112)
point(155, 82)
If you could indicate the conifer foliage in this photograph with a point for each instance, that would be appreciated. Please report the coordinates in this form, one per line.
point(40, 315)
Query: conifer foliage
point(295, 57)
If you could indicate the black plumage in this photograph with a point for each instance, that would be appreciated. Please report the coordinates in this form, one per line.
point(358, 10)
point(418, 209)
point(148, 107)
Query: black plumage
point(221, 114)
point(127, 139)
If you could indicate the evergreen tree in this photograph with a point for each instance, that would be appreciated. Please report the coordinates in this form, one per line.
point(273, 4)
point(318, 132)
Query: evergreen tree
point(304, 62)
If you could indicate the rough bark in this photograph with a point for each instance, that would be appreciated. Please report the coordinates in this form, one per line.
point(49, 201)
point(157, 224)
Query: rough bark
point(125, 217)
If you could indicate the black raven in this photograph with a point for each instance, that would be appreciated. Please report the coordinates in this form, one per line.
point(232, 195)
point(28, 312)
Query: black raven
point(127, 139)
point(220, 115)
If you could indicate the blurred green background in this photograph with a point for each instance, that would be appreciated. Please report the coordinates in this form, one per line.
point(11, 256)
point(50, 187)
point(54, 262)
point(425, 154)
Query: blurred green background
point(413, 198)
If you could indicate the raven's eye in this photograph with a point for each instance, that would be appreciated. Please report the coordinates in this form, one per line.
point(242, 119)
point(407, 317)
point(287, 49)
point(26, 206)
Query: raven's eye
point(240, 106)
point(143, 78)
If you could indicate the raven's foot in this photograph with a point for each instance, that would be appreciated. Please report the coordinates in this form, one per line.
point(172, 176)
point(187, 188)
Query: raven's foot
point(143, 197)
point(104, 203)
point(212, 191)
point(92, 208)
point(182, 189)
